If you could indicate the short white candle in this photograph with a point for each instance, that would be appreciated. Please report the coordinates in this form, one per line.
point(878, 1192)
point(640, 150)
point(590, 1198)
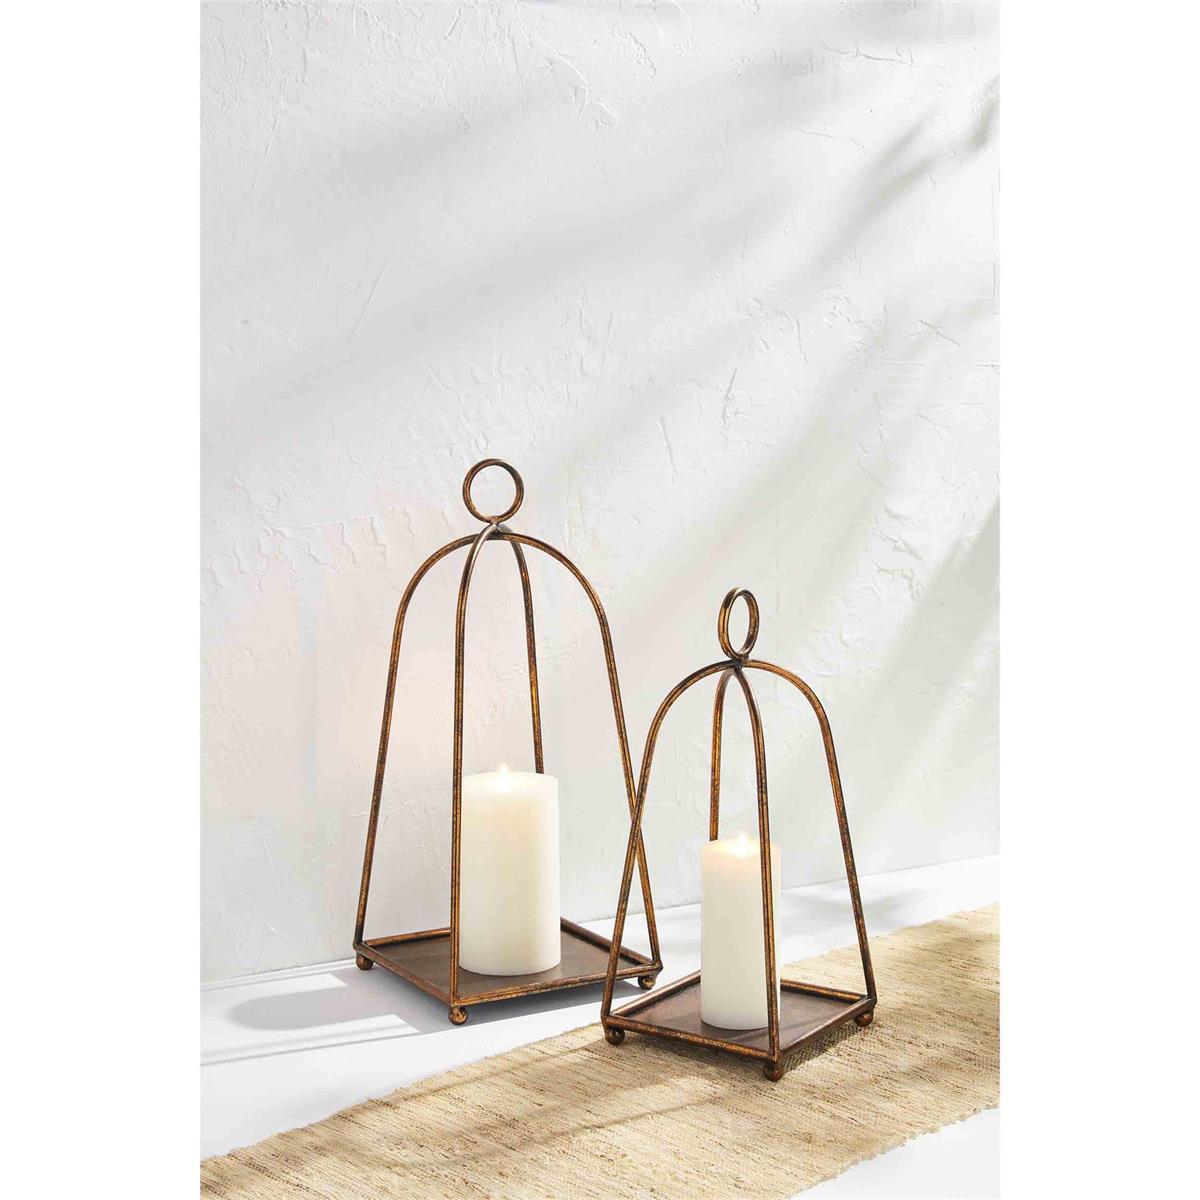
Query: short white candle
point(733, 972)
point(508, 910)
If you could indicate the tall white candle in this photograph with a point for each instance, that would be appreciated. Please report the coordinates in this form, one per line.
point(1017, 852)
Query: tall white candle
point(733, 971)
point(508, 910)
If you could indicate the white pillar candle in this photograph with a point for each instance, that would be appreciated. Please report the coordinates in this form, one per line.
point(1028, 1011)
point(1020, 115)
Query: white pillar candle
point(733, 971)
point(508, 912)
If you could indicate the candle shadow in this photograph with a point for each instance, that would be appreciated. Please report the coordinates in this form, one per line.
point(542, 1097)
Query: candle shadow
point(321, 1016)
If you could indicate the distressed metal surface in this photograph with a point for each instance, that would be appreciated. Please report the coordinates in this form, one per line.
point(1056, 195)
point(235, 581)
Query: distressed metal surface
point(674, 1011)
point(423, 960)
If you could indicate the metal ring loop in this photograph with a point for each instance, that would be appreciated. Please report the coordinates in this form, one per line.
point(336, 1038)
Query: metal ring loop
point(723, 624)
point(518, 483)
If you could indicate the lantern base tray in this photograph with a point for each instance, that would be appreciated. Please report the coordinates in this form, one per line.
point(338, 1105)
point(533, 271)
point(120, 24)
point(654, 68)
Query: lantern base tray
point(424, 960)
point(805, 1012)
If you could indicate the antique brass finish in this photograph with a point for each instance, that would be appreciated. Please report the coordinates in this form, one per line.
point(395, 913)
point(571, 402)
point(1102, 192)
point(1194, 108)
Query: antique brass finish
point(429, 958)
point(801, 1011)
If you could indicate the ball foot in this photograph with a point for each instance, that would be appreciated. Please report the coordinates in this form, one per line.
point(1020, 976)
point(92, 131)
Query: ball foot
point(864, 1019)
point(458, 1016)
point(773, 1071)
point(646, 982)
point(363, 964)
point(614, 1037)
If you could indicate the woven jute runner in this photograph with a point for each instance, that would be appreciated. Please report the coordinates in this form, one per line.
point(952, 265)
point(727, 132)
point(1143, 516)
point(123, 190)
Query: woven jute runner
point(575, 1117)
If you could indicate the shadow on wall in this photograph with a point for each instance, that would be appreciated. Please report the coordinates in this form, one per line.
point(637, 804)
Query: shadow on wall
point(844, 484)
point(415, 292)
point(399, 315)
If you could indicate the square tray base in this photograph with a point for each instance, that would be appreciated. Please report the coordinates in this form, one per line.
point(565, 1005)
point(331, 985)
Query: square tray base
point(424, 960)
point(804, 1012)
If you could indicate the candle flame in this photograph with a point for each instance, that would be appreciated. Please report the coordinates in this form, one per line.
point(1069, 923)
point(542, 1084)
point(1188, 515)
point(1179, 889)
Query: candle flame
point(502, 769)
point(741, 845)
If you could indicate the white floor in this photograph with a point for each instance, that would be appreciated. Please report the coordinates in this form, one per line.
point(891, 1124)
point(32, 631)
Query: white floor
point(289, 1047)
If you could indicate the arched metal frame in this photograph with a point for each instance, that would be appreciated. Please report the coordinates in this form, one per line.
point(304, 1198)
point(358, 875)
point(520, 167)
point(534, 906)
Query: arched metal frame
point(429, 958)
point(674, 1011)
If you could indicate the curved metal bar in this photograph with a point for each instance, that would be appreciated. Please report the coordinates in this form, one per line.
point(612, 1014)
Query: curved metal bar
point(389, 696)
point(839, 805)
point(460, 641)
point(517, 540)
point(497, 522)
point(614, 687)
point(714, 780)
point(764, 855)
point(633, 849)
point(535, 710)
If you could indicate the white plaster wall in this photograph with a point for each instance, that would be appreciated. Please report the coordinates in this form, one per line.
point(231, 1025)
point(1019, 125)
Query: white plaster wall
point(720, 279)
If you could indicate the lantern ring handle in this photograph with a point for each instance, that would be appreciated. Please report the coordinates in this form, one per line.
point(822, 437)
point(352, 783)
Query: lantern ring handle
point(518, 484)
point(723, 624)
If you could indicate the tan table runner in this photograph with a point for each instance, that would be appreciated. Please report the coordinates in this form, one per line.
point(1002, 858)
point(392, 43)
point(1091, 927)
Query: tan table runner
point(574, 1117)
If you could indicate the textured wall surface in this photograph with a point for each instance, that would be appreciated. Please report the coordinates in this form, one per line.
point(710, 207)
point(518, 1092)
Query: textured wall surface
point(720, 280)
